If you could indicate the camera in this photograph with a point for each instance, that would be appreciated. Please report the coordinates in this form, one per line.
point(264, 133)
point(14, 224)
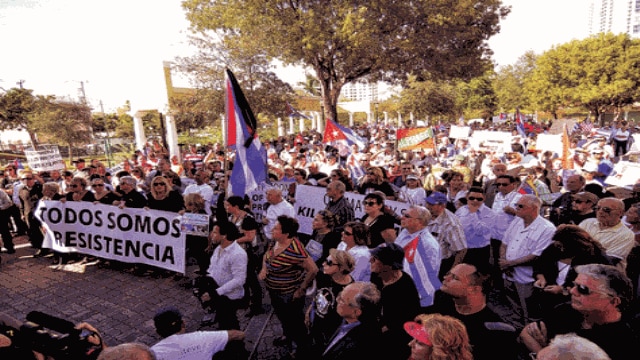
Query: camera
point(55, 337)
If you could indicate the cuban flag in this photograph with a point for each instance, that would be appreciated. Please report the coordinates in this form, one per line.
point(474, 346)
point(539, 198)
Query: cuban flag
point(520, 124)
point(250, 167)
point(341, 137)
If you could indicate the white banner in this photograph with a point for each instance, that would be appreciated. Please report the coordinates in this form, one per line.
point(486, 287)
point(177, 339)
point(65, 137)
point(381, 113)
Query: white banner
point(498, 141)
point(549, 142)
point(129, 235)
point(624, 174)
point(459, 132)
point(45, 160)
point(311, 199)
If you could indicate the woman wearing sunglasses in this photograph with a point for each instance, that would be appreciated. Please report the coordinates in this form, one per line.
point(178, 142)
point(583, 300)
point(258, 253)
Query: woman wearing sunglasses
point(322, 317)
point(163, 197)
point(101, 193)
point(381, 224)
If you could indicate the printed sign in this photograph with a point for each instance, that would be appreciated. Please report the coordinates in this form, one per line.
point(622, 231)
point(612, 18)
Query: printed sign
point(45, 160)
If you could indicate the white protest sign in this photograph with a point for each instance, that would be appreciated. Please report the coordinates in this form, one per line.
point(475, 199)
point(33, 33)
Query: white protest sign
point(549, 142)
point(459, 132)
point(129, 235)
point(498, 141)
point(45, 160)
point(311, 199)
point(259, 199)
point(624, 174)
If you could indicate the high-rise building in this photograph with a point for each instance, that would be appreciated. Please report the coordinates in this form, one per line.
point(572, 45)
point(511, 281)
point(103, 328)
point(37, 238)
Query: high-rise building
point(616, 16)
point(360, 91)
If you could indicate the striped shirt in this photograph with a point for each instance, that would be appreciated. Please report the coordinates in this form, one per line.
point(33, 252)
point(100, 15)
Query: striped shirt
point(284, 271)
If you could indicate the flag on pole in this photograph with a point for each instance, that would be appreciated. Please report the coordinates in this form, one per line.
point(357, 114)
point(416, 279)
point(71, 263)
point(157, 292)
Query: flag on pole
point(567, 160)
point(250, 167)
point(292, 112)
point(416, 138)
point(520, 124)
point(340, 136)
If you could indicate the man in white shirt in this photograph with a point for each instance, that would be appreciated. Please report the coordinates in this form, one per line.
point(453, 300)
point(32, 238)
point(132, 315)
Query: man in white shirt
point(177, 344)
point(277, 206)
point(228, 270)
point(202, 187)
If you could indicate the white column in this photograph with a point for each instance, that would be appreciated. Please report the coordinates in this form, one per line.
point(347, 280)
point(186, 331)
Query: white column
point(280, 127)
point(172, 136)
point(399, 119)
point(301, 125)
point(138, 130)
point(223, 126)
point(291, 125)
point(411, 117)
point(313, 120)
point(386, 118)
point(320, 124)
point(351, 119)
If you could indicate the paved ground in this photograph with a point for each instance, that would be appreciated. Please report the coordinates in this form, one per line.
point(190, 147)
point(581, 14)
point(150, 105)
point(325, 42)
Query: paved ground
point(121, 305)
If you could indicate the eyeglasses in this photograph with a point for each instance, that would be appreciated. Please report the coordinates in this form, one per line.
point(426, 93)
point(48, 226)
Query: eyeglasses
point(586, 291)
point(472, 198)
point(27, 179)
point(407, 216)
point(520, 206)
point(73, 185)
point(159, 184)
point(503, 184)
point(607, 210)
point(406, 169)
point(341, 300)
point(580, 201)
point(97, 185)
point(296, 174)
point(370, 203)
point(347, 233)
point(370, 173)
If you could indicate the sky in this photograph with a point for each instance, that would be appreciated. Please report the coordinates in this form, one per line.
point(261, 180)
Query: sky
point(115, 49)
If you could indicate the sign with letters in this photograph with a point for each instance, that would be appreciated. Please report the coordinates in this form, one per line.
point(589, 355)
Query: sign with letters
point(129, 235)
point(45, 160)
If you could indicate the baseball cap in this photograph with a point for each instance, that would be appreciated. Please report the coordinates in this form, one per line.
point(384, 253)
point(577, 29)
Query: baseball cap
point(590, 167)
point(389, 254)
point(412, 177)
point(436, 198)
point(597, 151)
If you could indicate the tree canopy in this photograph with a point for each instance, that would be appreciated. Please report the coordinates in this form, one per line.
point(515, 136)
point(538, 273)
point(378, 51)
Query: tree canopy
point(347, 40)
point(600, 72)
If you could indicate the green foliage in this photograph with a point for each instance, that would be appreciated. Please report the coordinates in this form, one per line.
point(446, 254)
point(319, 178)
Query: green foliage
point(348, 40)
point(429, 98)
point(63, 122)
point(510, 83)
point(476, 98)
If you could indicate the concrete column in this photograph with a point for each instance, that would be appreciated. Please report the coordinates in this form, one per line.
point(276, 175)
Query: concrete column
point(301, 125)
point(172, 136)
point(291, 125)
point(313, 120)
point(280, 127)
point(386, 118)
point(399, 119)
point(351, 123)
point(138, 130)
point(320, 124)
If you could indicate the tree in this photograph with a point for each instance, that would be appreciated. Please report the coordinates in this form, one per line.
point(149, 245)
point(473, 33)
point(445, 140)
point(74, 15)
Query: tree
point(429, 98)
point(476, 98)
point(63, 122)
point(600, 72)
point(348, 40)
point(16, 108)
point(509, 83)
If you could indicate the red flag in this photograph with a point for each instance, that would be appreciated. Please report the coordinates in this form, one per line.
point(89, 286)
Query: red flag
point(410, 249)
point(332, 133)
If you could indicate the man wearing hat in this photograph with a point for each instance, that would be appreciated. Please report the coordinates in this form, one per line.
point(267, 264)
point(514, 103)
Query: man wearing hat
point(79, 164)
point(446, 228)
point(582, 207)
point(422, 252)
point(598, 165)
point(176, 343)
point(412, 192)
point(399, 297)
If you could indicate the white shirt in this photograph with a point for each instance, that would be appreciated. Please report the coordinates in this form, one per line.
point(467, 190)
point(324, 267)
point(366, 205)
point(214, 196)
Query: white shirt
point(502, 218)
point(199, 345)
point(521, 241)
point(275, 210)
point(361, 255)
point(205, 190)
point(229, 269)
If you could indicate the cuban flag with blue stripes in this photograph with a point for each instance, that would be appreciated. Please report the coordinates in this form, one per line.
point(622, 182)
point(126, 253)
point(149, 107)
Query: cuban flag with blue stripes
point(250, 166)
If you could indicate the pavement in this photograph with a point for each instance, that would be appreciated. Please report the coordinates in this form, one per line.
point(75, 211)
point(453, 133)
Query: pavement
point(119, 304)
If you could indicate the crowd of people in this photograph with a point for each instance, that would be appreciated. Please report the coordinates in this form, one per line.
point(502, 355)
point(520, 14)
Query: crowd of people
point(483, 228)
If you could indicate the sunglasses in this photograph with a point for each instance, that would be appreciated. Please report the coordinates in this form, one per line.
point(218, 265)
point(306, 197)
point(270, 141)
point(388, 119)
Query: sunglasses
point(73, 185)
point(27, 179)
point(370, 203)
point(159, 184)
point(472, 198)
point(97, 185)
point(330, 262)
point(503, 184)
point(347, 233)
point(520, 206)
point(607, 210)
point(586, 291)
point(580, 201)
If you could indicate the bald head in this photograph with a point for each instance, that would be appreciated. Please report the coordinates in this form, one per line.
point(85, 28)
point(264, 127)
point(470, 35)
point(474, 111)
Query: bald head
point(127, 351)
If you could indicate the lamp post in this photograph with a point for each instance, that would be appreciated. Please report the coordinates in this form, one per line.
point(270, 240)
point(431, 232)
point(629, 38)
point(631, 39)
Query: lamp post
point(375, 112)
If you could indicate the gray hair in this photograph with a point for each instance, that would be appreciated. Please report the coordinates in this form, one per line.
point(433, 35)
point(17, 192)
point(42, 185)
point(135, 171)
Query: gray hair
point(614, 281)
point(422, 214)
point(573, 347)
point(128, 180)
point(367, 299)
point(338, 185)
point(532, 200)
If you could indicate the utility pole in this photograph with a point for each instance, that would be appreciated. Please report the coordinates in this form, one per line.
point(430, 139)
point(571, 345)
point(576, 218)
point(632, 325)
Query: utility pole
point(107, 144)
point(20, 82)
point(83, 95)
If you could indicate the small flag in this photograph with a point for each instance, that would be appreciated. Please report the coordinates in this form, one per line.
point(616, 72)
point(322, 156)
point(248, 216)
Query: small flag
point(520, 119)
point(18, 164)
point(250, 167)
point(340, 136)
